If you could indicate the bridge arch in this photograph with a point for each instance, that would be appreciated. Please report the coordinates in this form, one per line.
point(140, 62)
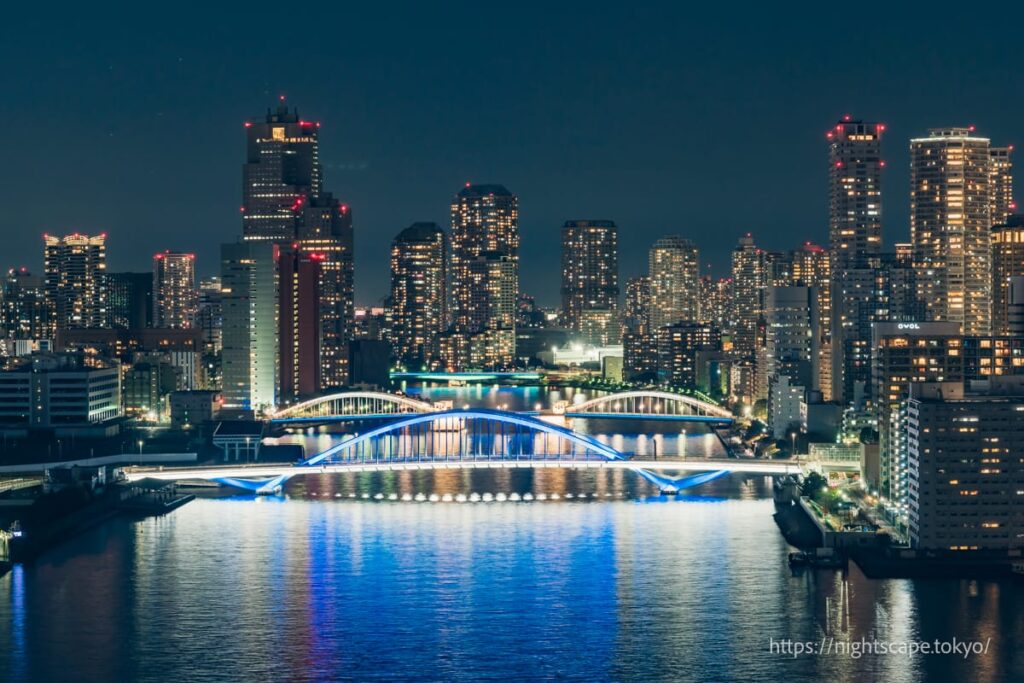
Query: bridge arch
point(459, 434)
point(354, 404)
point(649, 402)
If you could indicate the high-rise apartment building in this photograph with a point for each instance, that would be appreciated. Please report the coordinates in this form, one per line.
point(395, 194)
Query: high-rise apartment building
point(674, 269)
point(76, 284)
point(485, 220)
point(590, 280)
point(677, 347)
point(26, 314)
point(282, 170)
point(950, 221)
point(637, 311)
point(1001, 180)
point(855, 192)
point(749, 279)
point(1007, 262)
point(855, 242)
point(175, 299)
point(299, 323)
point(419, 261)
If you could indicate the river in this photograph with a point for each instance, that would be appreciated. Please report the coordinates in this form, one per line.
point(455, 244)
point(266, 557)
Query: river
point(596, 577)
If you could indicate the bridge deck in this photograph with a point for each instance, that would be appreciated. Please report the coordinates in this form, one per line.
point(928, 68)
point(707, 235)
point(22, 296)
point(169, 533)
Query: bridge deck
point(777, 467)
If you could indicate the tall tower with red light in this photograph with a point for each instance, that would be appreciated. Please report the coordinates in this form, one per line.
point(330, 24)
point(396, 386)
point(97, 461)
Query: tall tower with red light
point(855, 192)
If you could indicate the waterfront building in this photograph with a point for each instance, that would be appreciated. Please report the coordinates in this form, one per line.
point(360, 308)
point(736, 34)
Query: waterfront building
point(950, 222)
point(810, 266)
point(76, 286)
point(674, 272)
point(640, 357)
point(965, 467)
point(1007, 262)
point(590, 280)
point(175, 299)
point(786, 398)
point(749, 279)
point(419, 260)
point(131, 300)
point(249, 298)
point(299, 323)
point(905, 353)
point(26, 314)
point(282, 170)
point(69, 393)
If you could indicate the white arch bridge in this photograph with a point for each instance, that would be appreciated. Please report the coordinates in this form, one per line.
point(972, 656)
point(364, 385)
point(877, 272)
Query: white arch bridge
point(650, 404)
point(470, 439)
point(351, 405)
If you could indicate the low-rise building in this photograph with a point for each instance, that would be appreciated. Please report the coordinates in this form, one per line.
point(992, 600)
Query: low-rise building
point(71, 394)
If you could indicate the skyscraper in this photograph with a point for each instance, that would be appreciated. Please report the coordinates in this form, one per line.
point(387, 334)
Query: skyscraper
point(419, 256)
point(281, 171)
point(590, 279)
point(1001, 180)
point(299, 323)
point(950, 222)
point(26, 314)
point(1007, 262)
point(325, 229)
point(250, 333)
point(855, 192)
point(637, 312)
point(283, 201)
point(855, 242)
point(749, 279)
point(485, 219)
point(674, 269)
point(131, 300)
point(175, 299)
point(76, 286)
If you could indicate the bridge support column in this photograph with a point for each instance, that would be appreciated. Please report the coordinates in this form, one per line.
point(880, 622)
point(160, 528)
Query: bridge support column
point(263, 487)
point(673, 485)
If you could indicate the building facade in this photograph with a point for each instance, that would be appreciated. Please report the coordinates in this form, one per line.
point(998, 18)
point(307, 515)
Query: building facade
point(75, 268)
point(673, 267)
point(175, 299)
point(419, 293)
point(590, 280)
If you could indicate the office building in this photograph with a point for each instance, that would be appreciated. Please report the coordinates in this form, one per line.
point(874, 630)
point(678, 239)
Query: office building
point(249, 297)
point(282, 170)
point(131, 300)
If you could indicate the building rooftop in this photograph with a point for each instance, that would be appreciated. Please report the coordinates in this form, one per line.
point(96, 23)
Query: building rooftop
point(484, 190)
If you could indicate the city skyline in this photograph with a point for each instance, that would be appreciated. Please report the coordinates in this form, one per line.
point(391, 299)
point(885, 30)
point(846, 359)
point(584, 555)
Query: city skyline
point(604, 162)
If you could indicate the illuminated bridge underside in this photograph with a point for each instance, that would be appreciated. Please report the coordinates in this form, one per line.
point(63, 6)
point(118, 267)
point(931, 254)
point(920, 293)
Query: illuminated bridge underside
point(351, 405)
point(651, 405)
point(270, 478)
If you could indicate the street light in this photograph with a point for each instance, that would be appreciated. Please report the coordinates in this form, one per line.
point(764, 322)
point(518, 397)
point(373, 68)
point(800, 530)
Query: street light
point(140, 446)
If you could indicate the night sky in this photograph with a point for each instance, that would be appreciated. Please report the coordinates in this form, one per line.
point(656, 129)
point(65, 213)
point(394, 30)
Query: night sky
point(708, 123)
